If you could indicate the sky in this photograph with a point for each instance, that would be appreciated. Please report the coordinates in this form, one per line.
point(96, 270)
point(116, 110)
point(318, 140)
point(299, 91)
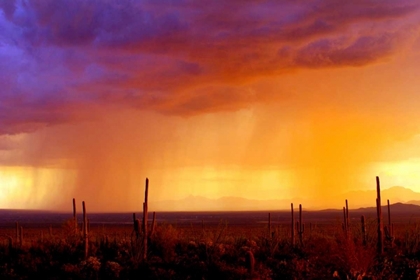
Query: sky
point(252, 99)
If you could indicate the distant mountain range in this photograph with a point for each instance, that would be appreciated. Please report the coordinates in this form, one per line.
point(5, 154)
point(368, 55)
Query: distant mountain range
point(394, 194)
point(194, 203)
point(395, 208)
point(356, 199)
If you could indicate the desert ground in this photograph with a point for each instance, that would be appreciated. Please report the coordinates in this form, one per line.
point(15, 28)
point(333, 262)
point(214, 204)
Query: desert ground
point(209, 245)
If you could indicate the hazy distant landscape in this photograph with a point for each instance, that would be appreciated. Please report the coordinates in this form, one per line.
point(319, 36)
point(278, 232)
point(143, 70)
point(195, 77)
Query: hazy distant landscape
point(357, 199)
point(403, 212)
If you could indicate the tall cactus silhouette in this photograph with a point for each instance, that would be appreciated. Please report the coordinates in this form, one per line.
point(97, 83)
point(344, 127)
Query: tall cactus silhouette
point(21, 236)
point(85, 231)
point(74, 216)
point(17, 231)
point(250, 261)
point(380, 245)
point(346, 226)
point(145, 215)
point(362, 220)
point(152, 230)
point(136, 224)
point(389, 230)
point(300, 226)
point(293, 224)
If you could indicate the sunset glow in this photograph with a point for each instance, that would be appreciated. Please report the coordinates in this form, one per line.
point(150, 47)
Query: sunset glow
point(264, 100)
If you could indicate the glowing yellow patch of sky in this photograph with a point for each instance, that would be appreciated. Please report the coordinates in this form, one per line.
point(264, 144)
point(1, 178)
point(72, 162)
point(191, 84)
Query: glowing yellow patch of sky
point(34, 188)
point(399, 173)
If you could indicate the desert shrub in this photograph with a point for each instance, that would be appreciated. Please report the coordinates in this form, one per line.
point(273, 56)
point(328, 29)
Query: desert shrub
point(163, 242)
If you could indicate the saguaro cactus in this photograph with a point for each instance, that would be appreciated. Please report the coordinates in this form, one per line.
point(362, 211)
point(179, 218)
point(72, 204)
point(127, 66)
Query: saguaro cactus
point(75, 216)
point(269, 225)
point(145, 215)
point(362, 220)
point(293, 225)
point(152, 230)
point(21, 236)
point(346, 226)
point(85, 231)
point(136, 224)
point(17, 231)
point(347, 215)
point(250, 261)
point(300, 226)
point(389, 230)
point(380, 245)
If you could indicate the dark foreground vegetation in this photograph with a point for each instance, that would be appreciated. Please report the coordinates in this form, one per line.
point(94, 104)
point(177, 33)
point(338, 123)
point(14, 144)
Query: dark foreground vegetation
point(216, 252)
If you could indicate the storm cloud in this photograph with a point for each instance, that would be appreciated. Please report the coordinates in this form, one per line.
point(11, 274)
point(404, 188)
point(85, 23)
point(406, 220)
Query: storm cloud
point(60, 59)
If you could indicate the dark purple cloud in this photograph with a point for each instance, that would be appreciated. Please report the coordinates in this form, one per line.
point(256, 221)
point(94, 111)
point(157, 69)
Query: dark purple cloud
point(60, 57)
